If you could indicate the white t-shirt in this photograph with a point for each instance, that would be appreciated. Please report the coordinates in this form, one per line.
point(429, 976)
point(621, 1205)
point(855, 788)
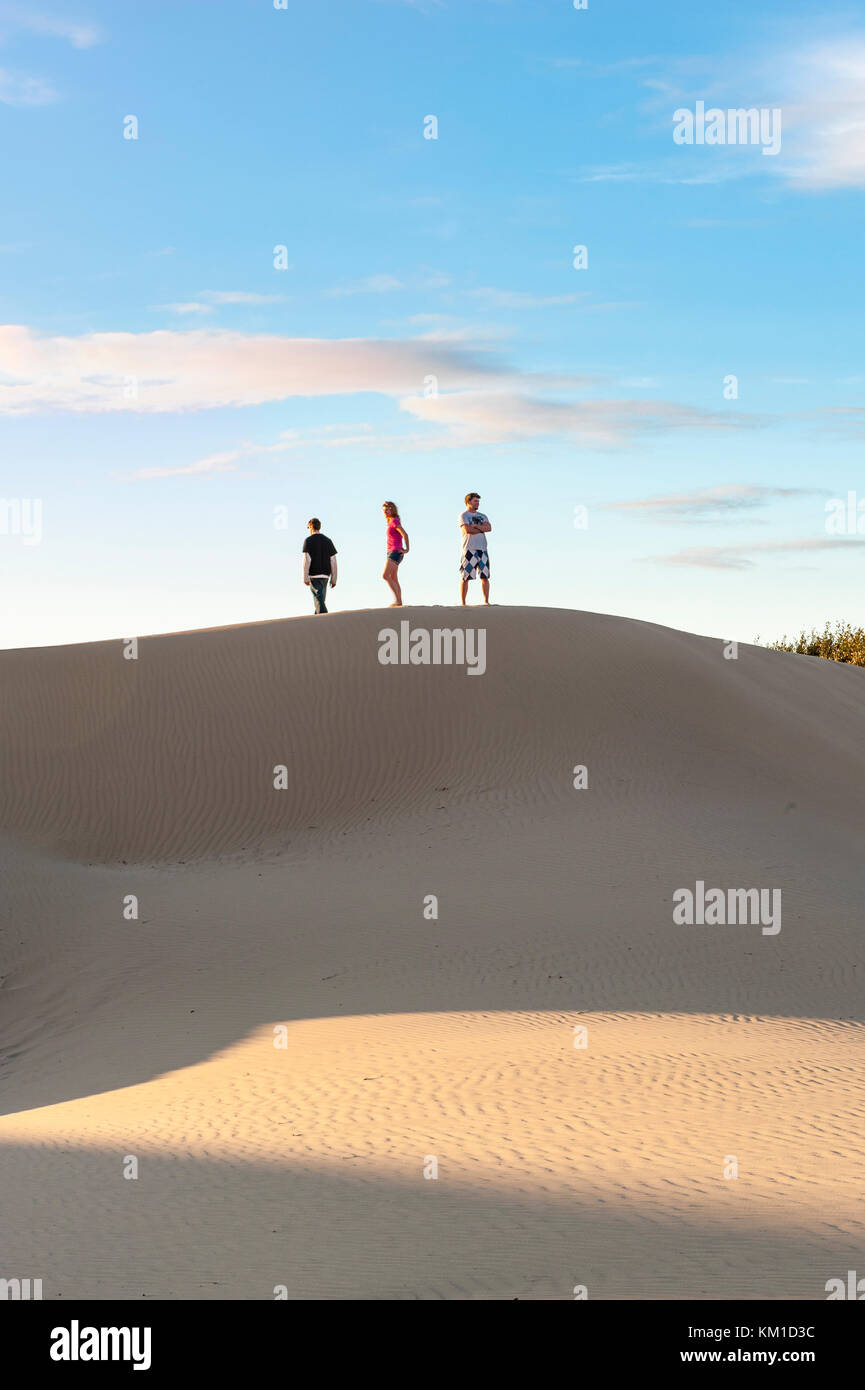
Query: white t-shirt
point(478, 542)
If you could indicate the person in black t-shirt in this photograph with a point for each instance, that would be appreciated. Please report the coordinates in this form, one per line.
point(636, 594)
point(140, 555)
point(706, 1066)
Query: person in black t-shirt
point(319, 563)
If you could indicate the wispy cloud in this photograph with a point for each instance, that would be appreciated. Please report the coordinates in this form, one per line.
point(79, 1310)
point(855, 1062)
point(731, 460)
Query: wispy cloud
point(838, 421)
point(448, 328)
point(727, 501)
point(79, 33)
point(227, 461)
point(721, 169)
point(208, 299)
point(202, 369)
point(819, 89)
point(743, 557)
point(189, 306)
point(494, 298)
point(509, 416)
point(724, 222)
point(17, 89)
point(464, 419)
point(592, 69)
point(824, 116)
point(520, 299)
point(480, 399)
point(386, 284)
point(24, 89)
point(239, 297)
point(230, 460)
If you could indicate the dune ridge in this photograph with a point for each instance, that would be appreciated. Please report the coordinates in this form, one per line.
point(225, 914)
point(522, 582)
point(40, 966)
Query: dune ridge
point(410, 1034)
point(171, 754)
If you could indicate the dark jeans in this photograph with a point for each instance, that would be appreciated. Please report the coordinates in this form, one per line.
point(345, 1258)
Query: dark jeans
point(319, 590)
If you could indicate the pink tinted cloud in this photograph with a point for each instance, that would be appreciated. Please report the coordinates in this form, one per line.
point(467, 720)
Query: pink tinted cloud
point(204, 369)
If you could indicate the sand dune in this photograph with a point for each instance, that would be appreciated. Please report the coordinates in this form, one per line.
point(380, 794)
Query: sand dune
point(410, 1037)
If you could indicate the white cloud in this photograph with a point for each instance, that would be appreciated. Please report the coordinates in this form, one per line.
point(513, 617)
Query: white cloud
point(240, 297)
point(481, 401)
point(79, 34)
point(17, 89)
point(824, 119)
point(22, 89)
point(819, 89)
point(207, 299)
point(191, 306)
point(202, 369)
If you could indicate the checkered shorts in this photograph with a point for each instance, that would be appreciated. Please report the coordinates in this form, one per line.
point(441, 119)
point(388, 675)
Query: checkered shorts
point(475, 564)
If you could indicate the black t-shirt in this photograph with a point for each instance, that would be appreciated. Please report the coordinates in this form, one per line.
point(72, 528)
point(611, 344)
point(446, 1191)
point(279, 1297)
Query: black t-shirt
point(319, 548)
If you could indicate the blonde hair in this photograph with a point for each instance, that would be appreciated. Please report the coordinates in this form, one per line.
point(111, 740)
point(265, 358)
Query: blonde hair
point(393, 505)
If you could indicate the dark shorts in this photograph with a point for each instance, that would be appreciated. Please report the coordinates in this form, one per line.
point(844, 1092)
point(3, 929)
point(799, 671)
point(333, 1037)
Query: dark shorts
point(395, 555)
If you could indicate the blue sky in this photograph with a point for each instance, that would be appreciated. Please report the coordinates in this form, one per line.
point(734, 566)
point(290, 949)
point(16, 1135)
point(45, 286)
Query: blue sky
point(174, 407)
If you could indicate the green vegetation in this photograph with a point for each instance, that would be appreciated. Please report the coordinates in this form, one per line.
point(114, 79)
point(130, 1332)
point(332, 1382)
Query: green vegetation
point(839, 643)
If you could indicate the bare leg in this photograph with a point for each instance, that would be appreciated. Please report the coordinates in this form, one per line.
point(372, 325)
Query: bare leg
point(389, 573)
point(485, 585)
point(464, 585)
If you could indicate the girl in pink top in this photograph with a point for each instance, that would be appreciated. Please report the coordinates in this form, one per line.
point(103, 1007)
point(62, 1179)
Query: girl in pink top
point(397, 546)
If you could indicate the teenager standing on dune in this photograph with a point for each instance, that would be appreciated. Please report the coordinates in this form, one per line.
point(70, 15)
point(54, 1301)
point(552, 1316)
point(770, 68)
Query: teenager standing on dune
point(396, 546)
point(475, 560)
point(319, 563)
